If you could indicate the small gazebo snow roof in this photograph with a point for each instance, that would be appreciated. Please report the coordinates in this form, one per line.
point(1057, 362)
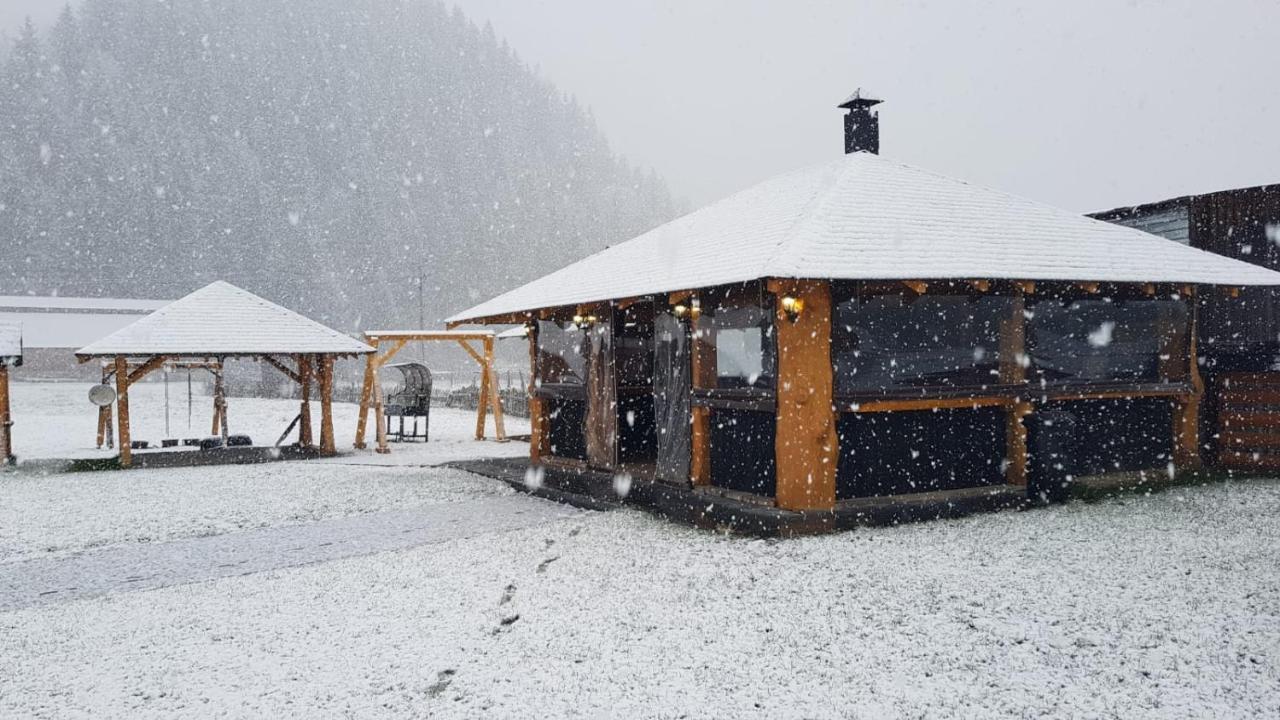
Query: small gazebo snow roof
point(864, 217)
point(222, 320)
point(10, 344)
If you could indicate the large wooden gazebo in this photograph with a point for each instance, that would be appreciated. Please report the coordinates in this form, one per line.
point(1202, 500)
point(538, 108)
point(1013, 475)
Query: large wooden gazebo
point(10, 356)
point(221, 322)
point(863, 328)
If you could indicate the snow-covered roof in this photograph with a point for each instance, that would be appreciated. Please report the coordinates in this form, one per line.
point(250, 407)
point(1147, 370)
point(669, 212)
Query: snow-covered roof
point(222, 319)
point(33, 302)
point(10, 343)
point(864, 217)
point(65, 330)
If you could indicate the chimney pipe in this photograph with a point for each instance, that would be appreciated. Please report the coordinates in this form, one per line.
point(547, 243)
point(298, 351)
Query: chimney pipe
point(861, 126)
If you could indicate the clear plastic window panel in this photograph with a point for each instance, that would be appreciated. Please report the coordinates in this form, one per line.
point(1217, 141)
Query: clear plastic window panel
point(887, 342)
point(562, 353)
point(1103, 339)
point(746, 354)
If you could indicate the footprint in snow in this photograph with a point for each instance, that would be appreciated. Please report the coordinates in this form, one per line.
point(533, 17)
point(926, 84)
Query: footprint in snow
point(443, 678)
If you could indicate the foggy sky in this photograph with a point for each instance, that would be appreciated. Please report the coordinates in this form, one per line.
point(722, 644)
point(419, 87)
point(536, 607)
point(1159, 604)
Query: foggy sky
point(1086, 104)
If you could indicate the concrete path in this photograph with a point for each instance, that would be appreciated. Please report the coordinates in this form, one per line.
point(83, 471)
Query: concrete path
point(144, 566)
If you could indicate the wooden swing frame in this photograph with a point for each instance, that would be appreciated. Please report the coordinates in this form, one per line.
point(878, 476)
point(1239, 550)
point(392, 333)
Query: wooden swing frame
point(371, 395)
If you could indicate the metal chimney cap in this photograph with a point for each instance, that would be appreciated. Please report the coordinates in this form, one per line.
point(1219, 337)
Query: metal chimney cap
point(859, 98)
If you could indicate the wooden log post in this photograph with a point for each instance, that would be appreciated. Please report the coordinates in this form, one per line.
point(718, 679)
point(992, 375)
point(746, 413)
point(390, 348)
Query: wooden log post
point(304, 409)
point(703, 362)
point(366, 394)
point(1013, 371)
point(486, 385)
point(122, 412)
point(537, 420)
point(495, 395)
point(1186, 415)
point(807, 445)
point(6, 419)
point(104, 415)
point(219, 402)
point(326, 405)
point(379, 412)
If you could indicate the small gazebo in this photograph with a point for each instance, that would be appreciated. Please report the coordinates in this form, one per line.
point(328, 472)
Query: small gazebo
point(10, 356)
point(221, 322)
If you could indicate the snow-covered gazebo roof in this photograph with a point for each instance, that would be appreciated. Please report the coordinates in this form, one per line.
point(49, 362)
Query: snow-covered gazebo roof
point(864, 217)
point(10, 344)
point(225, 321)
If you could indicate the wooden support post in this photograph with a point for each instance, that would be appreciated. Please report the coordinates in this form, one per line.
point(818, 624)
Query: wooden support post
point(482, 403)
point(380, 415)
point(6, 421)
point(219, 403)
point(495, 395)
point(1016, 444)
point(122, 412)
point(537, 420)
point(807, 447)
point(326, 405)
point(366, 396)
point(104, 416)
point(1186, 416)
point(1013, 371)
point(304, 410)
point(703, 361)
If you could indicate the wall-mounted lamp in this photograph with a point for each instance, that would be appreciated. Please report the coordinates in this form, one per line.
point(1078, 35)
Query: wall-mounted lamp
point(695, 309)
point(578, 320)
point(792, 307)
point(680, 310)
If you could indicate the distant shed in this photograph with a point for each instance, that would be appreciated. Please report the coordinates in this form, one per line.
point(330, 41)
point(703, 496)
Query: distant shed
point(53, 327)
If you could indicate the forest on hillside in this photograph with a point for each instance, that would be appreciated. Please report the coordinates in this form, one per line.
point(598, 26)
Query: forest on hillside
point(332, 155)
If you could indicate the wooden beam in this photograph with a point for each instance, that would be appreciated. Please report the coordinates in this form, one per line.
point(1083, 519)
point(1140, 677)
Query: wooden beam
point(380, 412)
point(918, 287)
point(537, 420)
point(366, 399)
point(326, 405)
point(1026, 287)
point(288, 372)
point(1013, 371)
point(145, 369)
point(915, 404)
point(1089, 287)
point(679, 297)
point(495, 397)
point(6, 420)
point(122, 412)
point(304, 410)
point(472, 352)
point(1016, 444)
point(981, 285)
point(703, 361)
point(806, 445)
point(219, 404)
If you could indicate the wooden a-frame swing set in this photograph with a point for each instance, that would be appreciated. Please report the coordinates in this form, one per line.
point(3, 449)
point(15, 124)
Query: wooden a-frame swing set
point(371, 394)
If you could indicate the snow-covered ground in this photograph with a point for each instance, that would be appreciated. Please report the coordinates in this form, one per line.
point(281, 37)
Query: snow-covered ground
point(55, 420)
point(43, 514)
point(1159, 606)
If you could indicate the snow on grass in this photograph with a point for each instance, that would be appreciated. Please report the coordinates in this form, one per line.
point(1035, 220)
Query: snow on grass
point(58, 513)
point(41, 514)
point(1161, 606)
point(55, 420)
